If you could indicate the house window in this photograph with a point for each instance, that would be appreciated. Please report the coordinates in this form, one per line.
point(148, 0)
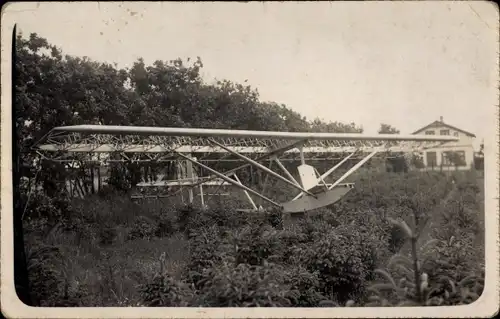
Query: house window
point(429, 132)
point(431, 159)
point(455, 133)
point(456, 158)
point(444, 132)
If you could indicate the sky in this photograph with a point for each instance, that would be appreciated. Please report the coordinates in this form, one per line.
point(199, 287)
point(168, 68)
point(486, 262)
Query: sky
point(401, 63)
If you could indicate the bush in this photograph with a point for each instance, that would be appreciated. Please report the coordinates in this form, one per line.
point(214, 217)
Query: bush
point(304, 287)
point(275, 218)
point(397, 238)
point(190, 218)
point(205, 251)
point(166, 223)
point(314, 230)
point(107, 234)
point(46, 279)
point(290, 243)
point(254, 244)
point(244, 286)
point(344, 260)
point(143, 227)
point(455, 258)
point(113, 209)
point(40, 206)
point(165, 291)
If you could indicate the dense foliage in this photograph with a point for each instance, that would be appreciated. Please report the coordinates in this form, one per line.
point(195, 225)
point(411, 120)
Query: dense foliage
point(105, 250)
point(111, 251)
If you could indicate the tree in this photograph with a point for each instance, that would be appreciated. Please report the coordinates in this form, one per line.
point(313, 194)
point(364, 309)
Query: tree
point(318, 125)
point(417, 160)
point(395, 164)
point(479, 157)
point(387, 129)
point(53, 90)
point(456, 159)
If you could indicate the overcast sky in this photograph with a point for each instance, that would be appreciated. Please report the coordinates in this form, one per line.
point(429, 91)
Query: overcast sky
point(402, 63)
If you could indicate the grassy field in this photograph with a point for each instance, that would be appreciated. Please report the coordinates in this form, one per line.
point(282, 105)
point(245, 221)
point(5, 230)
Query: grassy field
point(110, 251)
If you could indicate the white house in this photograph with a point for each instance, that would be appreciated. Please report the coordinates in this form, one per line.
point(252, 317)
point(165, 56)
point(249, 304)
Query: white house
point(442, 158)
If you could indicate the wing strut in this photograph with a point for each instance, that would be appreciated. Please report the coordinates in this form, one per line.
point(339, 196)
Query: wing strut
point(262, 167)
point(229, 180)
point(283, 168)
point(260, 158)
point(246, 193)
point(354, 168)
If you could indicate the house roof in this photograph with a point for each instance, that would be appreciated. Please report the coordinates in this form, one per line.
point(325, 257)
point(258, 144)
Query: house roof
point(441, 124)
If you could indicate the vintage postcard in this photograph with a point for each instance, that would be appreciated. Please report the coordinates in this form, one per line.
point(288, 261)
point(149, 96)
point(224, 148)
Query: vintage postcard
point(249, 159)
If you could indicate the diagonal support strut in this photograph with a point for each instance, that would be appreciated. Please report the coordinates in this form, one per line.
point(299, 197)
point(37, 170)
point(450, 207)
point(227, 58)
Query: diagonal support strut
point(354, 168)
point(246, 193)
point(229, 180)
point(263, 157)
point(283, 168)
point(262, 167)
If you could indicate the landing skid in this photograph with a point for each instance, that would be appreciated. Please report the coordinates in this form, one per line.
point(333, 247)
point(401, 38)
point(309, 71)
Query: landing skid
point(308, 203)
point(323, 199)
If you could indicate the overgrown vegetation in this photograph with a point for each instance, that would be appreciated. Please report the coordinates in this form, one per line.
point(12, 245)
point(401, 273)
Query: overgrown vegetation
point(105, 250)
point(111, 251)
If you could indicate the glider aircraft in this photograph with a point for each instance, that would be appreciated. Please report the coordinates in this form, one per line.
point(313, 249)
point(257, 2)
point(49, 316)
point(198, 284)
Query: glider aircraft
point(196, 147)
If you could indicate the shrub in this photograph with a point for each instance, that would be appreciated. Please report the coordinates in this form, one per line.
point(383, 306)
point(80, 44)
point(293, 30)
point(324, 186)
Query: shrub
point(40, 206)
point(344, 260)
point(223, 217)
point(164, 291)
point(46, 280)
point(446, 291)
point(254, 244)
point(107, 234)
point(304, 287)
point(166, 223)
point(113, 209)
point(289, 245)
point(314, 230)
point(205, 251)
point(457, 215)
point(143, 227)
point(244, 286)
point(189, 218)
point(455, 258)
point(275, 218)
point(397, 238)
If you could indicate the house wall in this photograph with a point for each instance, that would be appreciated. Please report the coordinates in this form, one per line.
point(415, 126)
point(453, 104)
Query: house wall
point(465, 144)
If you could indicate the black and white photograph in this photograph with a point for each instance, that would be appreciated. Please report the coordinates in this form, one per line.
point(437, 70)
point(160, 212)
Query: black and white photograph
point(249, 159)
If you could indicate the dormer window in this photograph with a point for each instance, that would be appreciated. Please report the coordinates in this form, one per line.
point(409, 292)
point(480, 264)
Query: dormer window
point(444, 132)
point(455, 134)
point(429, 133)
